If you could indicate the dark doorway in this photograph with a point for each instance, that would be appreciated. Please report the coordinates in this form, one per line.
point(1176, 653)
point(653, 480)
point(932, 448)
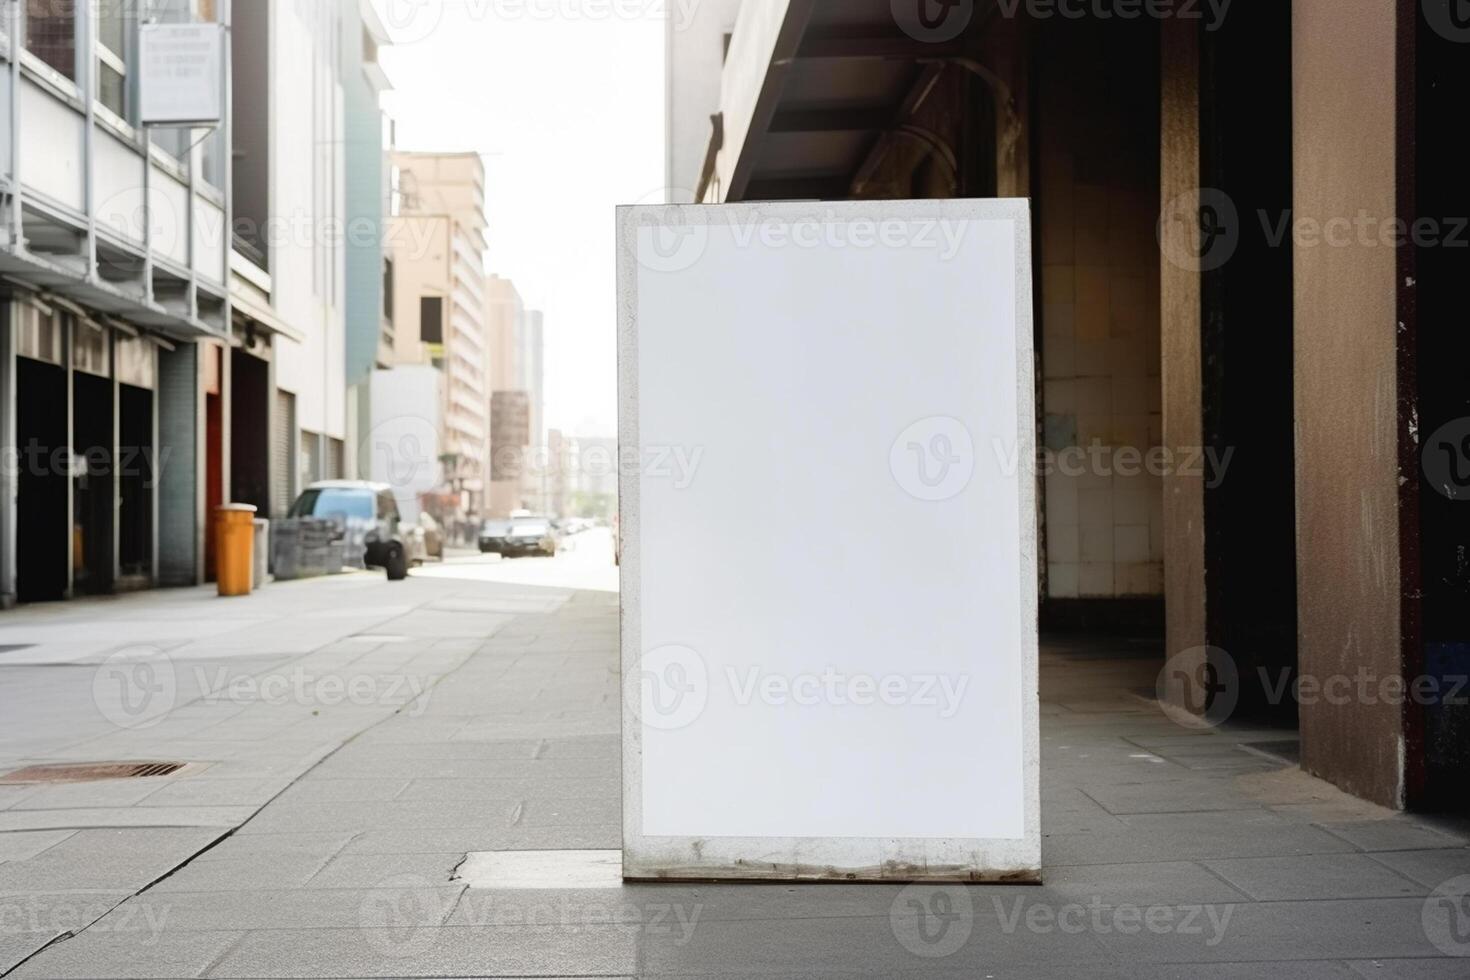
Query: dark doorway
point(214, 449)
point(249, 431)
point(1246, 349)
point(92, 483)
point(1437, 259)
point(42, 525)
point(136, 482)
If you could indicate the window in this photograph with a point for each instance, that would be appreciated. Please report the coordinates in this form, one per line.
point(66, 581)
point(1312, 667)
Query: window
point(388, 288)
point(51, 34)
point(330, 502)
point(116, 22)
point(431, 319)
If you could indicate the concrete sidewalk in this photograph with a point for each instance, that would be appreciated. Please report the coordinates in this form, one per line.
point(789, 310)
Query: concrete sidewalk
point(1169, 852)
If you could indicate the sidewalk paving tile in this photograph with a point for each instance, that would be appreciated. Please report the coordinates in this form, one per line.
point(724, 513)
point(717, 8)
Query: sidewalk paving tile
point(129, 955)
point(1307, 876)
point(1429, 868)
point(538, 951)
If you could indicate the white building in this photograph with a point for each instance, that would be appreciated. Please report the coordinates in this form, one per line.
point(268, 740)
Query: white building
point(171, 335)
point(115, 306)
point(403, 447)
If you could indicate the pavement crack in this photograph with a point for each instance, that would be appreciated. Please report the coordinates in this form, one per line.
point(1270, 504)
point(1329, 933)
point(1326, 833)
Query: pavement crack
point(455, 907)
point(59, 938)
point(229, 948)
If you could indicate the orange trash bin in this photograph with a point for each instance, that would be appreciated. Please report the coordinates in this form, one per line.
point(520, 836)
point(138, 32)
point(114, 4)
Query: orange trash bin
point(235, 547)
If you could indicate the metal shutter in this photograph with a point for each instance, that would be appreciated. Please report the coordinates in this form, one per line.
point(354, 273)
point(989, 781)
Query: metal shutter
point(336, 459)
point(282, 461)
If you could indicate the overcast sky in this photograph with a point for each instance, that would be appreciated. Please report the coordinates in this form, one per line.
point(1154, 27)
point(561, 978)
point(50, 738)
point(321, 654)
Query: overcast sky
point(564, 100)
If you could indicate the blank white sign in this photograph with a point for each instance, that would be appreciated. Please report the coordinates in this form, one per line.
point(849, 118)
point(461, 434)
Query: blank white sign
point(829, 632)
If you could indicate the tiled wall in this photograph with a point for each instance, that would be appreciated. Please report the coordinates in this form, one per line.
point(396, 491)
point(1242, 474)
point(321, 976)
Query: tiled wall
point(1097, 140)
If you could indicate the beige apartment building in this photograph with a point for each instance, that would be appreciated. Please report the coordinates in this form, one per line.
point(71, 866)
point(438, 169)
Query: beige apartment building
point(436, 247)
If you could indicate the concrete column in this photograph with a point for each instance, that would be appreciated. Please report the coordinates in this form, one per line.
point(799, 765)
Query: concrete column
point(1347, 399)
point(1180, 311)
point(180, 476)
point(9, 458)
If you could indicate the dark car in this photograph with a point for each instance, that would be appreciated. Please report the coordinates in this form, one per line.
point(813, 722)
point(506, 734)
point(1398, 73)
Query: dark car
point(530, 536)
point(492, 537)
point(365, 512)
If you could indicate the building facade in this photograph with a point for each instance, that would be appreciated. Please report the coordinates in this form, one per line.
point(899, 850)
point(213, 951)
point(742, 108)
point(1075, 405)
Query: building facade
point(115, 300)
point(1255, 446)
point(367, 141)
point(171, 314)
point(511, 417)
point(436, 244)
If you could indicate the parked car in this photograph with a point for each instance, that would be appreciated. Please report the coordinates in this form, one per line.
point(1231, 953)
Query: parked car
point(492, 537)
point(433, 536)
point(530, 536)
point(365, 511)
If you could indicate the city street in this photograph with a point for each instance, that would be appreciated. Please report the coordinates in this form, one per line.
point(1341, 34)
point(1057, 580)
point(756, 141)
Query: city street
point(374, 773)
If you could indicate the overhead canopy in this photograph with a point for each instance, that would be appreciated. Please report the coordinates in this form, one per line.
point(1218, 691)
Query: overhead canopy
point(816, 89)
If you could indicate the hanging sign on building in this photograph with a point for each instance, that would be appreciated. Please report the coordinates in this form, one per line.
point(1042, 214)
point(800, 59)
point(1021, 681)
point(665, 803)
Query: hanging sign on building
point(181, 74)
point(828, 542)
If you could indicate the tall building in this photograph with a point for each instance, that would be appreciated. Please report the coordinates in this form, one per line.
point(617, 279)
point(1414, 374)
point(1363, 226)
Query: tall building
point(511, 420)
point(291, 189)
point(366, 141)
point(543, 459)
point(521, 450)
point(171, 329)
point(531, 369)
point(436, 245)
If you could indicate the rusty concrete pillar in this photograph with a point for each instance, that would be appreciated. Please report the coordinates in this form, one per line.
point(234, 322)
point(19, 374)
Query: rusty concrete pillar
point(1348, 414)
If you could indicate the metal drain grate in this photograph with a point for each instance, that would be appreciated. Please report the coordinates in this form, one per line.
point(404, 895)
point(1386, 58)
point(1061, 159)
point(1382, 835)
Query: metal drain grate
point(86, 772)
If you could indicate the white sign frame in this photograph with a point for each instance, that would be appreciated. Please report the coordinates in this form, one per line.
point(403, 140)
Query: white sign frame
point(197, 99)
point(691, 229)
